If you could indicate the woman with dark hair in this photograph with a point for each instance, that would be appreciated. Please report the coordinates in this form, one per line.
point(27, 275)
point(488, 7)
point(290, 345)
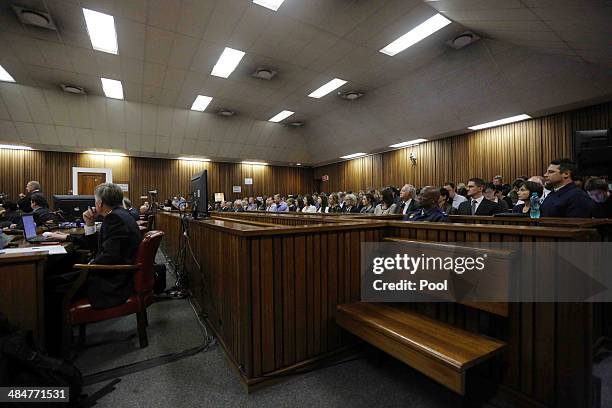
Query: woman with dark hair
point(367, 204)
point(299, 202)
point(322, 203)
point(334, 204)
point(387, 204)
point(309, 207)
point(525, 192)
point(445, 202)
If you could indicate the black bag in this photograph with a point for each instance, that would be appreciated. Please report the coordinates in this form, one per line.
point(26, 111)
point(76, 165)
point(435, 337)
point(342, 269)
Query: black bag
point(23, 365)
point(159, 273)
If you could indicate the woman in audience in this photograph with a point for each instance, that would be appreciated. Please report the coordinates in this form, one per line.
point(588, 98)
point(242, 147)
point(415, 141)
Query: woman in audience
point(291, 205)
point(445, 202)
point(334, 204)
point(309, 207)
point(322, 203)
point(367, 204)
point(350, 204)
point(524, 193)
point(387, 205)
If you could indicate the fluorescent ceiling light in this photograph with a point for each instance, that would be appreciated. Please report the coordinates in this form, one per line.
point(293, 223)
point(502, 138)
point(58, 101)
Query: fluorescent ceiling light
point(500, 122)
point(101, 29)
point(352, 156)
point(112, 88)
point(14, 147)
point(200, 103)
point(269, 4)
point(194, 159)
point(228, 61)
point(409, 143)
point(5, 76)
point(327, 88)
point(423, 30)
point(281, 116)
point(97, 153)
point(255, 163)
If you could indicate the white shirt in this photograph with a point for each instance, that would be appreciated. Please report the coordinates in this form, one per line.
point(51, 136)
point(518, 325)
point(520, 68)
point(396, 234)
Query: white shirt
point(406, 205)
point(478, 201)
point(458, 199)
point(309, 209)
point(544, 194)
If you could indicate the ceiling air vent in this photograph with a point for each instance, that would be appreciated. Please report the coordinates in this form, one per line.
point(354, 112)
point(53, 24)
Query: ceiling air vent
point(296, 124)
point(463, 40)
point(264, 73)
point(73, 89)
point(226, 113)
point(350, 95)
point(35, 17)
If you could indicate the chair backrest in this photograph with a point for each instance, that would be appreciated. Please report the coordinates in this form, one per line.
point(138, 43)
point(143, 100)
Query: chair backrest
point(143, 278)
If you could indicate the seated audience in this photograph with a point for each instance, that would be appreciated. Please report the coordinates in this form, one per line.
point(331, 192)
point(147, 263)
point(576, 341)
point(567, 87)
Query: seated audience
point(227, 206)
point(513, 194)
point(252, 205)
point(333, 204)
point(525, 192)
point(238, 206)
point(491, 193)
point(270, 205)
point(350, 204)
point(429, 211)
point(387, 206)
point(127, 204)
point(477, 204)
point(407, 197)
point(321, 203)
point(309, 207)
point(10, 215)
point(367, 204)
point(445, 202)
point(291, 204)
point(462, 190)
point(498, 181)
point(452, 192)
point(565, 199)
point(281, 205)
point(24, 201)
point(341, 196)
point(599, 192)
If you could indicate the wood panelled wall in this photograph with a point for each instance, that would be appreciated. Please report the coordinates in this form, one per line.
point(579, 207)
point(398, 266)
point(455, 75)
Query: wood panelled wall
point(523, 148)
point(168, 177)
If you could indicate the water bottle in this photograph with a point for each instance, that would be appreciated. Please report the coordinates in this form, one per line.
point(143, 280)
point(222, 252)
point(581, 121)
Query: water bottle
point(534, 211)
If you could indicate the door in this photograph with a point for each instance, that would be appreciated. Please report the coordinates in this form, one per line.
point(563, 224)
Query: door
point(89, 181)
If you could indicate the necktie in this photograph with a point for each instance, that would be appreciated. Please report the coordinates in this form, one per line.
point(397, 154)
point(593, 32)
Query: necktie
point(474, 203)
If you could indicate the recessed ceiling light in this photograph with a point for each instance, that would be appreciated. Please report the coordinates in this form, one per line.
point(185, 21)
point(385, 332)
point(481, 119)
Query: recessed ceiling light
point(352, 156)
point(227, 63)
point(264, 73)
point(500, 122)
point(99, 153)
point(200, 103)
point(112, 88)
point(101, 29)
point(418, 33)
point(269, 4)
point(193, 159)
point(409, 143)
point(73, 89)
point(350, 95)
point(5, 76)
point(327, 88)
point(255, 163)
point(281, 116)
point(14, 147)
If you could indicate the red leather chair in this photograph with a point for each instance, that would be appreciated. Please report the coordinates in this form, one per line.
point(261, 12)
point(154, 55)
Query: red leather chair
point(80, 311)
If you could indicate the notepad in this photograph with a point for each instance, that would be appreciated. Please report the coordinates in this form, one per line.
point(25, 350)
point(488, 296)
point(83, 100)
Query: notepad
point(52, 249)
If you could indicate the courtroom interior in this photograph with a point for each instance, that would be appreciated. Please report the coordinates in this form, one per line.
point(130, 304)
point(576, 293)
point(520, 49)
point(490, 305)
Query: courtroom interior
point(298, 203)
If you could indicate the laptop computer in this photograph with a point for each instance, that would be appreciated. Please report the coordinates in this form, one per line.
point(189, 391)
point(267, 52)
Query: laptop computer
point(29, 230)
point(5, 239)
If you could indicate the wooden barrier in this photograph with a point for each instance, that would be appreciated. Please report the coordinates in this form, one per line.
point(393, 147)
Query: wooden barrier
point(270, 294)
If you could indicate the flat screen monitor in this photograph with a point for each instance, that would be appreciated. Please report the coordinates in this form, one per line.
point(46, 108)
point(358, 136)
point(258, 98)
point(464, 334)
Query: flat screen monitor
point(593, 152)
point(199, 194)
point(72, 207)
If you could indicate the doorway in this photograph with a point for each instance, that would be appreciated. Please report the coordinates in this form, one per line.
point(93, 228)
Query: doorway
point(89, 181)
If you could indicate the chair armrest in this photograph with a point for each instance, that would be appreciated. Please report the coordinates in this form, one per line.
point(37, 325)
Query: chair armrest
point(96, 267)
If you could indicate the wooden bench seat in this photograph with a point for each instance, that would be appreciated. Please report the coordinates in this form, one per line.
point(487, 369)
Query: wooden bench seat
point(436, 349)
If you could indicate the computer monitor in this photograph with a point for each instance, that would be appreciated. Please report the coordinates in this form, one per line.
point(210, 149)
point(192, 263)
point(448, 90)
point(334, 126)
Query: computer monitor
point(72, 207)
point(592, 150)
point(29, 226)
point(199, 194)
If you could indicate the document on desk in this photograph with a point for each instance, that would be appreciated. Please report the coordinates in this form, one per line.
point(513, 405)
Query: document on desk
point(52, 249)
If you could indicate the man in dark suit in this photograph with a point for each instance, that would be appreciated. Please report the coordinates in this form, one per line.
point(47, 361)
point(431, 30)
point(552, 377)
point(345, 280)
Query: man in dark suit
point(10, 215)
point(565, 199)
point(599, 192)
point(491, 193)
point(477, 204)
point(116, 242)
point(429, 211)
point(40, 209)
point(32, 187)
point(408, 202)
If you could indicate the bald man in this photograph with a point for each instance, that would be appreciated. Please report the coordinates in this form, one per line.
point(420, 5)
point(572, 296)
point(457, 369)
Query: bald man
point(429, 211)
